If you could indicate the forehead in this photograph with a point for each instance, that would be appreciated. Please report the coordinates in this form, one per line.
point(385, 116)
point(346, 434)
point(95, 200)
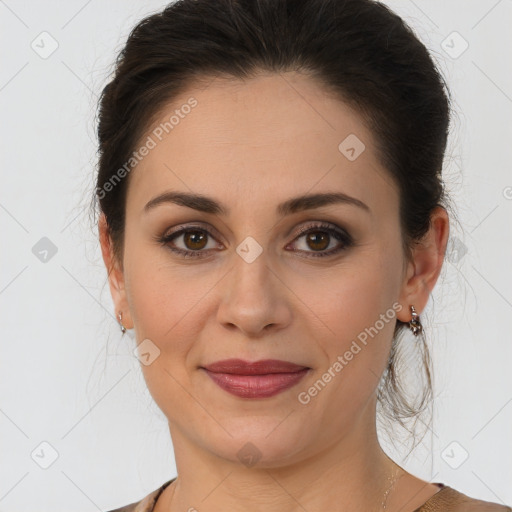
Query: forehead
point(280, 133)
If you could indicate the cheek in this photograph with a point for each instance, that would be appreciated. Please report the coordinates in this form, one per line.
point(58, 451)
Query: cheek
point(161, 308)
point(364, 301)
point(161, 294)
point(357, 307)
point(353, 298)
point(168, 308)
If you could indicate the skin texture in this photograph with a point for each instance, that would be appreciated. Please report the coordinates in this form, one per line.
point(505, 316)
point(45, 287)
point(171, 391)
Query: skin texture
point(251, 145)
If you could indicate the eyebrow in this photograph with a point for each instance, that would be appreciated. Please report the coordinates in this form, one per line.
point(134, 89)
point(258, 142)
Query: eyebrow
point(206, 204)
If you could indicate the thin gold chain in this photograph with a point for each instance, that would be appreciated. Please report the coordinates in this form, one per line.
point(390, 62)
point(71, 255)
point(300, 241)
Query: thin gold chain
point(384, 500)
point(386, 494)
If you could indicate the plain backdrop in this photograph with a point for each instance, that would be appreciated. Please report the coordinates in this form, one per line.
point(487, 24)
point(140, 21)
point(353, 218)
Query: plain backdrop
point(78, 427)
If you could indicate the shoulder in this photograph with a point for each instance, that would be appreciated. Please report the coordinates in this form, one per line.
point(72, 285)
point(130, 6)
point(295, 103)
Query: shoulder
point(147, 503)
point(454, 501)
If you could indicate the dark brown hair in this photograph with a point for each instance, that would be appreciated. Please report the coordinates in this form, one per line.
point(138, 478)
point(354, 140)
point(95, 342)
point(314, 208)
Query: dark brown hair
point(359, 49)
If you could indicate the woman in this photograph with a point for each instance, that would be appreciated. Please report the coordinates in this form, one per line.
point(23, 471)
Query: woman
point(273, 221)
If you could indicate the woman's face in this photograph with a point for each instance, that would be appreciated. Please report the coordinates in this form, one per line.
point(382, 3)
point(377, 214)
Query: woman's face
point(258, 288)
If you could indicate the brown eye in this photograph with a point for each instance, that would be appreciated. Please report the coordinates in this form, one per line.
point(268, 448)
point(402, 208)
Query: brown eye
point(314, 240)
point(318, 240)
point(195, 240)
point(191, 242)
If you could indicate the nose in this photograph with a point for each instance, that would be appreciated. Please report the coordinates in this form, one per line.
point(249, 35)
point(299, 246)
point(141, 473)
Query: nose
point(254, 298)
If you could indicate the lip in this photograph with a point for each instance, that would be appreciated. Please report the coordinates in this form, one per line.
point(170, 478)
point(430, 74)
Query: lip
point(259, 379)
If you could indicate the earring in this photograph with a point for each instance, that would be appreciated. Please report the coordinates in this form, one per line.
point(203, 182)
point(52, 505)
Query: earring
point(123, 328)
point(415, 324)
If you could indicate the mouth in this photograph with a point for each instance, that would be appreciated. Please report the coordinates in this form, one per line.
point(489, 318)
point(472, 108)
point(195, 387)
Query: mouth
point(260, 379)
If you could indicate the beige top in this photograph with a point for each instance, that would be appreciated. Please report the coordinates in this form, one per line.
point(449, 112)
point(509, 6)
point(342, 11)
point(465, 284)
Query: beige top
point(444, 500)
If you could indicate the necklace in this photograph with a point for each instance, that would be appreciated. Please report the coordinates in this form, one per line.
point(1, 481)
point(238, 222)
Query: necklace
point(384, 500)
point(386, 494)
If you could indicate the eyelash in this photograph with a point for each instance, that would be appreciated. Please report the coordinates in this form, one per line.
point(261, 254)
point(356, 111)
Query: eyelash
point(311, 228)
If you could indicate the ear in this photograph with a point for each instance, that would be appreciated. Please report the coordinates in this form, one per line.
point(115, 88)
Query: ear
point(424, 269)
point(115, 273)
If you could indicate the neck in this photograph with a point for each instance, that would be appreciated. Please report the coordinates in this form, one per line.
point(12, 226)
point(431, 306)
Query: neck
point(352, 471)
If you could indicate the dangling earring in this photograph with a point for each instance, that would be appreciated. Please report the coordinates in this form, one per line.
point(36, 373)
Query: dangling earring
point(415, 324)
point(123, 328)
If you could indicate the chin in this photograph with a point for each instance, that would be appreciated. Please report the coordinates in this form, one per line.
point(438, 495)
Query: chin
point(262, 442)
